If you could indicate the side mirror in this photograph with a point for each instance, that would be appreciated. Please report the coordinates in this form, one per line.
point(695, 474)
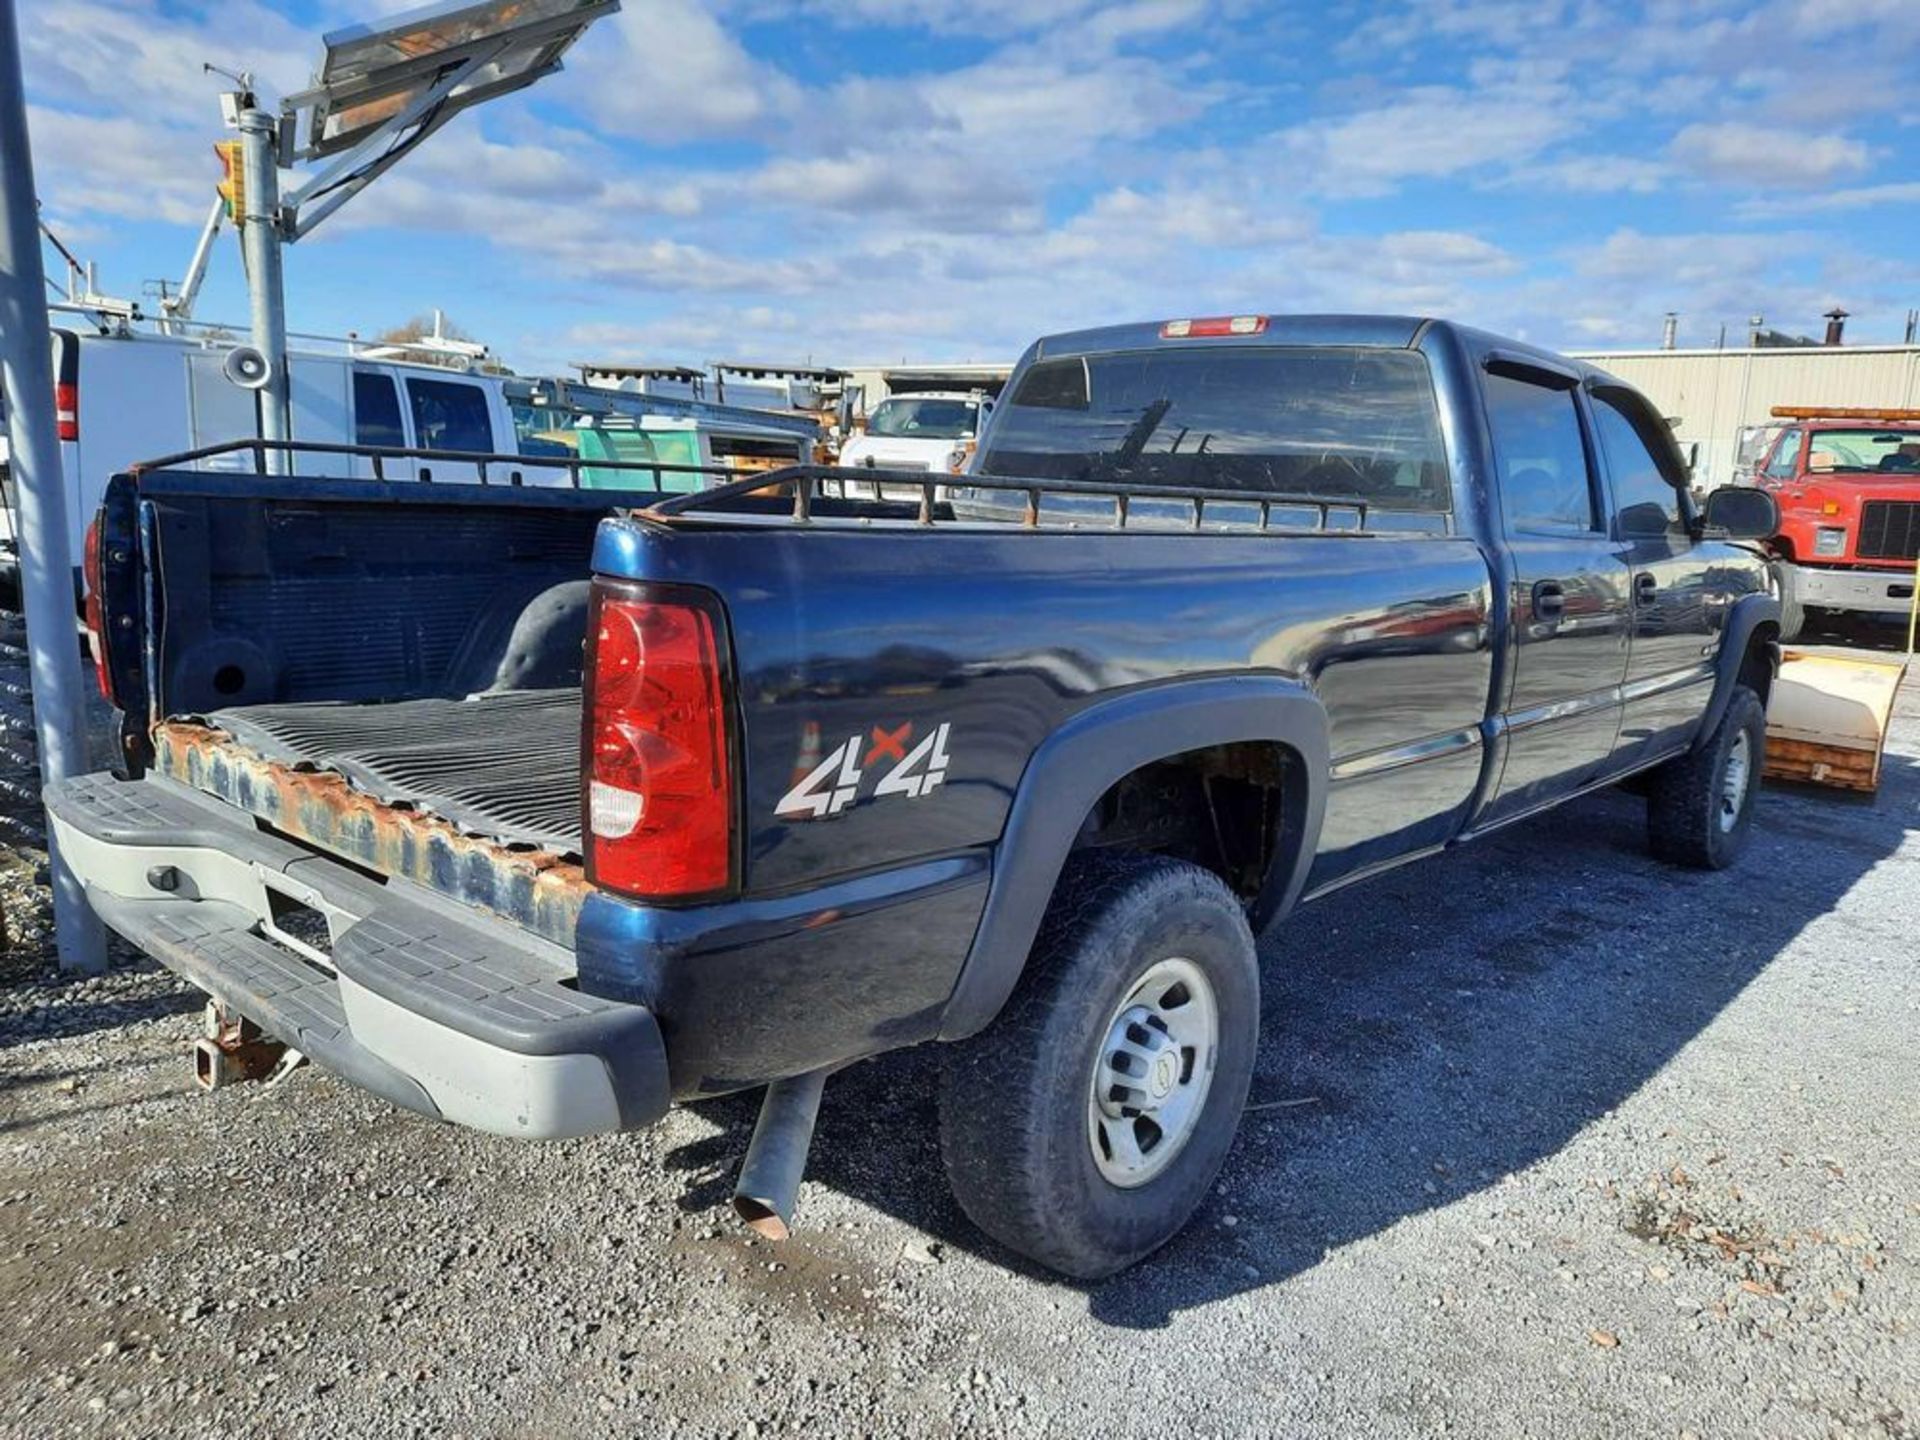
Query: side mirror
point(1740, 512)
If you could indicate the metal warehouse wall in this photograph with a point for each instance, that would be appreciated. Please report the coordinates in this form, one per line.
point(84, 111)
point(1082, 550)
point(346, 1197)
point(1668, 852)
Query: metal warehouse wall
point(1716, 393)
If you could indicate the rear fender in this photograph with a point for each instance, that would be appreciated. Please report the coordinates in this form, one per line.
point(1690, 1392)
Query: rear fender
point(1083, 759)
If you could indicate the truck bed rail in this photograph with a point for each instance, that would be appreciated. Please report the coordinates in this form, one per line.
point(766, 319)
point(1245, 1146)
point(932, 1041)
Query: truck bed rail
point(1182, 507)
point(378, 455)
point(1128, 504)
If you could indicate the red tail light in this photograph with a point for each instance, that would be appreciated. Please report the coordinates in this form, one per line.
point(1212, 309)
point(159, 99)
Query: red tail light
point(66, 411)
point(656, 774)
point(95, 612)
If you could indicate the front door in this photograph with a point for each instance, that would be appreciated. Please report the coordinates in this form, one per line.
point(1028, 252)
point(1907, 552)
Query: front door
point(1569, 603)
point(1677, 610)
point(377, 423)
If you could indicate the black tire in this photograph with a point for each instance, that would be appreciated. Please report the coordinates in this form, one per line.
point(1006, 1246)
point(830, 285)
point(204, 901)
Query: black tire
point(1793, 615)
point(1688, 819)
point(1017, 1128)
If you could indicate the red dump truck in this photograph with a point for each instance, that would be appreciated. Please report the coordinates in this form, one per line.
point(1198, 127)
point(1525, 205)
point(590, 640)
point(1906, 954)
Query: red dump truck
point(1848, 485)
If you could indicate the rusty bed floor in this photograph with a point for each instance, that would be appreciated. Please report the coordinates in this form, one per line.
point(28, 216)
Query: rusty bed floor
point(504, 765)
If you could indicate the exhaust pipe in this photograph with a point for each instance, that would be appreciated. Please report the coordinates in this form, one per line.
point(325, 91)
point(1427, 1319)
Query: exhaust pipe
point(777, 1157)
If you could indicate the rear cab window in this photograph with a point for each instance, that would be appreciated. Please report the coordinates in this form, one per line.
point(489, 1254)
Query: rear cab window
point(1347, 424)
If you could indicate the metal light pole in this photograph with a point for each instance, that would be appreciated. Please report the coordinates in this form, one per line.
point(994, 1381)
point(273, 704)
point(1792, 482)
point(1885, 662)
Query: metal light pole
point(46, 576)
point(260, 238)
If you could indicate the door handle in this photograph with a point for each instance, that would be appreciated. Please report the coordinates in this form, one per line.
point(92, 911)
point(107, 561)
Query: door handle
point(1549, 600)
point(1646, 587)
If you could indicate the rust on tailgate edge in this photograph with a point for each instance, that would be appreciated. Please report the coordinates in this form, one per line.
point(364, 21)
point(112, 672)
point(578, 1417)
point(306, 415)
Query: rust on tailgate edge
point(537, 889)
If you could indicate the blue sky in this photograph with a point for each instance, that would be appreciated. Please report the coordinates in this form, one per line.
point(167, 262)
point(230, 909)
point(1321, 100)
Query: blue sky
point(872, 180)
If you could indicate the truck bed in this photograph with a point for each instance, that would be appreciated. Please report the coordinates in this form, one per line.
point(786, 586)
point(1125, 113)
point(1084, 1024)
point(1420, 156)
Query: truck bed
point(505, 766)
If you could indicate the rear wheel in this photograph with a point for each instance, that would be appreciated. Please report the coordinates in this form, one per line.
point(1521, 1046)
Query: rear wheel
point(1087, 1122)
point(1700, 806)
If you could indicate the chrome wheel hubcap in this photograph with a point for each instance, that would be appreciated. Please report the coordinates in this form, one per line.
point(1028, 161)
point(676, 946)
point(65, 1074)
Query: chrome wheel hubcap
point(1733, 784)
point(1151, 1077)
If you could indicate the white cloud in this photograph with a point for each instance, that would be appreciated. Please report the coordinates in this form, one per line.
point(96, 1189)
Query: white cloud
point(1590, 174)
point(1899, 192)
point(1026, 165)
point(1431, 132)
point(116, 166)
point(1763, 155)
point(668, 71)
point(143, 60)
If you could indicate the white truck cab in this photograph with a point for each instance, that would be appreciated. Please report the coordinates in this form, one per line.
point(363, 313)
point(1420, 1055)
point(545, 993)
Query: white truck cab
point(932, 430)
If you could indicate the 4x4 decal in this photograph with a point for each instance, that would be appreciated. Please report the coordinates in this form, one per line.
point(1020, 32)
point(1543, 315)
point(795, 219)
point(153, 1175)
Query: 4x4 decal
point(832, 782)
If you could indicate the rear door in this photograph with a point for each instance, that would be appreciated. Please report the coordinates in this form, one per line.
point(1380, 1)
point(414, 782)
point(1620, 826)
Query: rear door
point(221, 411)
point(1569, 601)
point(454, 414)
point(1676, 611)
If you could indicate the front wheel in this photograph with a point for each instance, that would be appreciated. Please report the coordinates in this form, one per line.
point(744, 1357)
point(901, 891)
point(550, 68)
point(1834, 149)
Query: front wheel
point(1700, 806)
point(1084, 1126)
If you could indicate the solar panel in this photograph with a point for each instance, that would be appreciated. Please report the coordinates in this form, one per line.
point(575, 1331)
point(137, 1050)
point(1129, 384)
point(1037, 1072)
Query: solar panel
point(373, 73)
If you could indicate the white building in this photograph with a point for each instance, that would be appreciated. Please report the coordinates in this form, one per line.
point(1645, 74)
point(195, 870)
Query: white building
point(1714, 395)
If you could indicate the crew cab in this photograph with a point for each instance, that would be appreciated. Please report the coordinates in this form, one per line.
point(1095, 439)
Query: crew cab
point(1228, 614)
point(1848, 486)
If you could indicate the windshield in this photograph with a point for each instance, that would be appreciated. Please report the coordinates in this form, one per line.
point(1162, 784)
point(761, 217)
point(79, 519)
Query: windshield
point(1350, 424)
point(1872, 452)
point(924, 419)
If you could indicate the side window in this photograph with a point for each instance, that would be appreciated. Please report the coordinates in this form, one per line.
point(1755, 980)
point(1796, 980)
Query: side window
point(448, 415)
point(1539, 456)
point(1786, 455)
point(376, 411)
point(1645, 501)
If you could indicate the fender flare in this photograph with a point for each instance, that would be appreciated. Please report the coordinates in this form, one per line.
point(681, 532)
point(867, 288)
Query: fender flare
point(1745, 616)
point(1082, 760)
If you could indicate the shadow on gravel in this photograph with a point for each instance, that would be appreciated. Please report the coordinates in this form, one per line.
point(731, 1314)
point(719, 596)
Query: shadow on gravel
point(1424, 1034)
point(67, 1020)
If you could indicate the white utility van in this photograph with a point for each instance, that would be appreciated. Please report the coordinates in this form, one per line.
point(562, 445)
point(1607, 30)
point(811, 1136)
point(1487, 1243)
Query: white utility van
point(125, 396)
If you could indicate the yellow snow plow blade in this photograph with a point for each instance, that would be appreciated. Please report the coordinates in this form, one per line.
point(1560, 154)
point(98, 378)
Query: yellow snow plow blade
point(1827, 718)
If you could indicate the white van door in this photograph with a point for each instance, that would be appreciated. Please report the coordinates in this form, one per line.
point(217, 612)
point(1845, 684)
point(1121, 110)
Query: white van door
point(220, 410)
point(452, 413)
point(378, 420)
point(317, 396)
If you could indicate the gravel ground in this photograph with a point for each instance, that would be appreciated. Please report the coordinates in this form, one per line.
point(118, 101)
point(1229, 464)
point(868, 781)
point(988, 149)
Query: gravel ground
point(1546, 1140)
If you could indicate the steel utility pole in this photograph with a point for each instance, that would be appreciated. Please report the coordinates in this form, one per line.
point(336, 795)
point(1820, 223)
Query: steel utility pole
point(40, 497)
point(260, 238)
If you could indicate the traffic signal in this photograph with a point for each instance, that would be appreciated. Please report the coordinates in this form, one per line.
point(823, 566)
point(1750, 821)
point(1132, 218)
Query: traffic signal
point(233, 185)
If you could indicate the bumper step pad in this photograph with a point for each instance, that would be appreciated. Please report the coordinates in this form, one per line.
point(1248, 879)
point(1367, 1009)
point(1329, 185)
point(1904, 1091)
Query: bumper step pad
point(438, 1009)
point(212, 945)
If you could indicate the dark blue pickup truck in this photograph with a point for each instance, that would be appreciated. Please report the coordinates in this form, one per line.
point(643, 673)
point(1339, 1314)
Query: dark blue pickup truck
point(1229, 613)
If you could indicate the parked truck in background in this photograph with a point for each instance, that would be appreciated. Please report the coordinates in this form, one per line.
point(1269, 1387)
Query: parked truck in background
point(1279, 603)
point(930, 430)
point(1848, 485)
